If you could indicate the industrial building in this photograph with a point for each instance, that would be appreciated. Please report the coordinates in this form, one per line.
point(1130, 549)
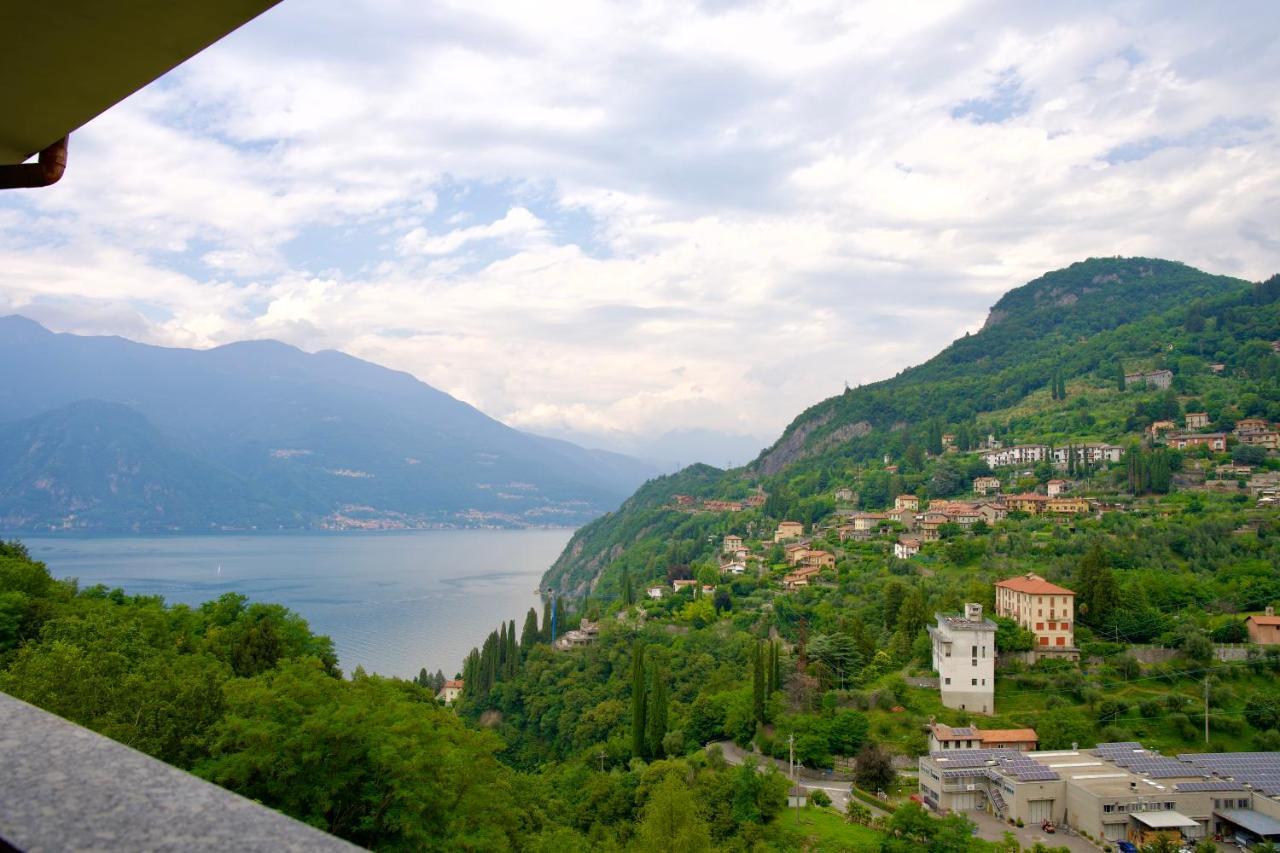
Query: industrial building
point(1115, 791)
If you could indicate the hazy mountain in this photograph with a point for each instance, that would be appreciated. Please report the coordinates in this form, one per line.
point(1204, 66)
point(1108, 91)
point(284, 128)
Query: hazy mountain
point(301, 439)
point(675, 448)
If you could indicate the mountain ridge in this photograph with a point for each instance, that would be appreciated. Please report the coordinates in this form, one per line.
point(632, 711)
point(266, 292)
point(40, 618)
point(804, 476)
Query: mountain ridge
point(1082, 322)
point(327, 430)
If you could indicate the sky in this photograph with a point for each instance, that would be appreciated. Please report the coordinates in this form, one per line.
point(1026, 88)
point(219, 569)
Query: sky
point(608, 221)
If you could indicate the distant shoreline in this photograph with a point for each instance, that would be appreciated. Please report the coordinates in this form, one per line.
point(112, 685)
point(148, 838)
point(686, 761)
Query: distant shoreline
point(300, 531)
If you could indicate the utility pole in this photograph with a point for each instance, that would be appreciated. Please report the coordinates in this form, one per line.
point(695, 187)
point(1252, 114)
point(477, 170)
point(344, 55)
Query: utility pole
point(1206, 709)
point(791, 762)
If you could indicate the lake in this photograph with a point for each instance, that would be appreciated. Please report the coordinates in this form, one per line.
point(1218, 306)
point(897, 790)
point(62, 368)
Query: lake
point(393, 602)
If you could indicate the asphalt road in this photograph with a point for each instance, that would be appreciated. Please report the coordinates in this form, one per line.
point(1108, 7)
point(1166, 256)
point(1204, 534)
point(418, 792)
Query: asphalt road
point(838, 791)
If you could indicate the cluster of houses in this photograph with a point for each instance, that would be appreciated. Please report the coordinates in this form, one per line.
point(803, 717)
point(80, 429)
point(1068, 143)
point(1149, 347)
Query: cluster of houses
point(1148, 379)
point(988, 506)
point(585, 634)
point(1088, 453)
point(1257, 432)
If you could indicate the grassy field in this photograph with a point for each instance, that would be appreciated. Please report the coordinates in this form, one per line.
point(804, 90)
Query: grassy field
point(824, 831)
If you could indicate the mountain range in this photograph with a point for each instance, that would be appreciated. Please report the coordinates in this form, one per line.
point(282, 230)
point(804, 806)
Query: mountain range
point(106, 434)
point(1082, 324)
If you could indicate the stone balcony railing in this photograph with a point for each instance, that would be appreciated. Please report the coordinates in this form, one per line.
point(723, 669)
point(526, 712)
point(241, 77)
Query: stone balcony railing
point(63, 787)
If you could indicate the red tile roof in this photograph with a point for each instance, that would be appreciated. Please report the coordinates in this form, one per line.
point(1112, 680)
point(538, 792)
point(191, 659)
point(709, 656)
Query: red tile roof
point(1264, 620)
point(1008, 735)
point(1034, 584)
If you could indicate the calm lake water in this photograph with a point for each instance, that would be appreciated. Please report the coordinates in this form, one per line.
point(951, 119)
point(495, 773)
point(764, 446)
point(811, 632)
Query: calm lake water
point(392, 602)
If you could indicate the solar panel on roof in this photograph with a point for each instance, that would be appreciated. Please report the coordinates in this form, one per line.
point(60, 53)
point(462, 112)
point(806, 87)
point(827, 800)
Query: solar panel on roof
point(1217, 785)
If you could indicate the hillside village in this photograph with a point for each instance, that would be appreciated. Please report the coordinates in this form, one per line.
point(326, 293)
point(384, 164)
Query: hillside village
point(1080, 576)
point(970, 654)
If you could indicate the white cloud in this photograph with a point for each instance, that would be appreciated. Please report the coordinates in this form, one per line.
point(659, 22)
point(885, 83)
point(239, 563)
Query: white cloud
point(627, 218)
point(518, 228)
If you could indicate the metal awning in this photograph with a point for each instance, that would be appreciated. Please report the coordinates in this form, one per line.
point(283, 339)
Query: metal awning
point(1164, 820)
point(1255, 822)
point(64, 63)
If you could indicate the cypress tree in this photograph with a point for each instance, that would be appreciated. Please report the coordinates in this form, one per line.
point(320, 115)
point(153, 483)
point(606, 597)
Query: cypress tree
point(626, 593)
point(546, 620)
point(774, 668)
point(502, 647)
point(757, 682)
point(529, 636)
point(656, 718)
point(1120, 376)
point(639, 704)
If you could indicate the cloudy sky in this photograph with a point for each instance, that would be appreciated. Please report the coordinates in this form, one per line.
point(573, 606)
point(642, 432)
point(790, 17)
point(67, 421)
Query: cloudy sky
point(612, 220)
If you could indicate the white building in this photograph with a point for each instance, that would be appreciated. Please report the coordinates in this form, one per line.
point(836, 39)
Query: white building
point(906, 548)
point(1019, 454)
point(451, 691)
point(655, 591)
point(1092, 453)
point(964, 655)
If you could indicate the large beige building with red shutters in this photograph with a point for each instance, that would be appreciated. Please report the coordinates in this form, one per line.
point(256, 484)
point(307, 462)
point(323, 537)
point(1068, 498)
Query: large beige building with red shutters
point(1045, 609)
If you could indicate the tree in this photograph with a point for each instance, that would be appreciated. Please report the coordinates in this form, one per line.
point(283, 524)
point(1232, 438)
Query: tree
point(847, 732)
point(1059, 728)
point(351, 757)
point(933, 438)
point(856, 812)
point(838, 652)
point(775, 667)
point(1161, 844)
point(873, 768)
point(656, 715)
point(1012, 637)
point(758, 685)
point(670, 821)
point(546, 620)
point(1262, 710)
point(639, 702)
point(529, 636)
point(1098, 592)
point(626, 593)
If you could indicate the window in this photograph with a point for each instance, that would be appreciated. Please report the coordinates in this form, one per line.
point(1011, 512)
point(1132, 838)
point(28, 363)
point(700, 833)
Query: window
point(974, 654)
point(1053, 626)
point(947, 680)
point(1108, 808)
point(1044, 641)
point(973, 682)
point(1039, 626)
point(1170, 806)
point(1062, 641)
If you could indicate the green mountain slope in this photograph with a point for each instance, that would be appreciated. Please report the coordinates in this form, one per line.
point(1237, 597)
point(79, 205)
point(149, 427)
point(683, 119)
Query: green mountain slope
point(1083, 324)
